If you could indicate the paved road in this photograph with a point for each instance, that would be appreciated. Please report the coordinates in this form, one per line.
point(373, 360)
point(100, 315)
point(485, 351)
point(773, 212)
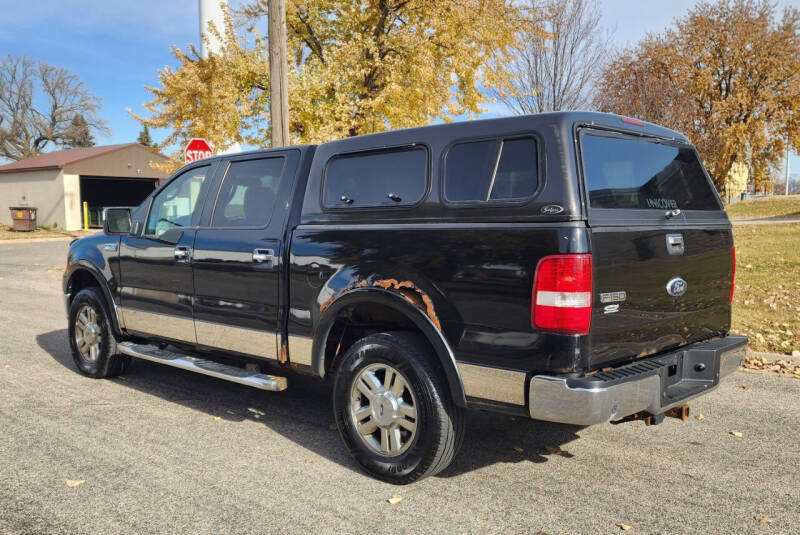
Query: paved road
point(165, 451)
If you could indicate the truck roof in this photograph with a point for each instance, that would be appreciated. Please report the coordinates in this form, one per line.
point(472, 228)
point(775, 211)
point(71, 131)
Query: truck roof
point(564, 119)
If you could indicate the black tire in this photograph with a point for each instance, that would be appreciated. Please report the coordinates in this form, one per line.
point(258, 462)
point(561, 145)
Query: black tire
point(439, 422)
point(105, 362)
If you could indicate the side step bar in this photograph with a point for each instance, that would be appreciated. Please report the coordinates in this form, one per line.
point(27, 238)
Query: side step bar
point(206, 367)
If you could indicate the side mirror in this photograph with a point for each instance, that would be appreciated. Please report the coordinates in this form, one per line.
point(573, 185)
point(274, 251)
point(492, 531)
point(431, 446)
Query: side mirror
point(116, 221)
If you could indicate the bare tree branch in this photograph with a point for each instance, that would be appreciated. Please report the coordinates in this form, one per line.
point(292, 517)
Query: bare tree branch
point(39, 104)
point(556, 72)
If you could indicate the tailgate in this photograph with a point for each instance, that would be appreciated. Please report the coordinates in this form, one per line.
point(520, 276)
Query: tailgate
point(661, 245)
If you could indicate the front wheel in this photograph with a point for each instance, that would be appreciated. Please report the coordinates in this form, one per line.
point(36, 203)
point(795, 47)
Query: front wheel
point(393, 408)
point(94, 348)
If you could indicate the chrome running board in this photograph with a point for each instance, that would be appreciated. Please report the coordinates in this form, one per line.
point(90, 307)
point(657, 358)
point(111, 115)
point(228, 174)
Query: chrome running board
point(206, 367)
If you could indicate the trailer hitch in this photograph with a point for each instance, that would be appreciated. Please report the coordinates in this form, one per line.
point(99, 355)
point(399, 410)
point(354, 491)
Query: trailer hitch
point(679, 411)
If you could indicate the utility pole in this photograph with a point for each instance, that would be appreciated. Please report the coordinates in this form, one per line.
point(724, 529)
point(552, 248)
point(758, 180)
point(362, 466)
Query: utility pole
point(278, 75)
point(788, 152)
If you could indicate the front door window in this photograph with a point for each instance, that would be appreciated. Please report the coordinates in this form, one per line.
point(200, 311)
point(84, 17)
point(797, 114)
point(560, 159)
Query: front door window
point(176, 205)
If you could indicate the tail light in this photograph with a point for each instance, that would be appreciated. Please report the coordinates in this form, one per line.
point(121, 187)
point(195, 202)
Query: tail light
point(733, 273)
point(562, 294)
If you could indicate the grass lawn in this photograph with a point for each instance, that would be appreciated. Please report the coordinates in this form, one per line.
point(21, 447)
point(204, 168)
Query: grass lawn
point(7, 234)
point(766, 304)
point(783, 206)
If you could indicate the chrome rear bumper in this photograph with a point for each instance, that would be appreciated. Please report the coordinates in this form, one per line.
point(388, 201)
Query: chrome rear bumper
point(653, 385)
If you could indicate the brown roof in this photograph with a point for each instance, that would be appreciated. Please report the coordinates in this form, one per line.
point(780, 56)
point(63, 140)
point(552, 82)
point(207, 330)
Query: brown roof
point(58, 159)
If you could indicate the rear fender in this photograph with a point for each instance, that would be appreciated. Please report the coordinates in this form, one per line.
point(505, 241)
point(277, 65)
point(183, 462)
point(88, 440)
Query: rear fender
point(401, 299)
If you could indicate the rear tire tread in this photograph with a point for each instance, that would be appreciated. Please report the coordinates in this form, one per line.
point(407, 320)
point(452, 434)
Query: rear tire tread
point(450, 419)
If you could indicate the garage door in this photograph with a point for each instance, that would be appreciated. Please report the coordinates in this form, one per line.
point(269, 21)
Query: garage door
point(102, 192)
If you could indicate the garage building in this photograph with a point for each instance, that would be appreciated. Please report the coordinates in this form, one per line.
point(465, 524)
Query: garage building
point(57, 183)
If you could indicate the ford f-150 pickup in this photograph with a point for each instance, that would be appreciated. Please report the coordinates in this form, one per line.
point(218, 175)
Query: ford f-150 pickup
point(572, 267)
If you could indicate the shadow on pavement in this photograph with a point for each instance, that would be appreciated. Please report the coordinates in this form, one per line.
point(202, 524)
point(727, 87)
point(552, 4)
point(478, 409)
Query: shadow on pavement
point(303, 413)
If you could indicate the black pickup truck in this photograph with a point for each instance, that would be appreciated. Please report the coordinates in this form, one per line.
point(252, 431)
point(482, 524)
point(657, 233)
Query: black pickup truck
point(571, 267)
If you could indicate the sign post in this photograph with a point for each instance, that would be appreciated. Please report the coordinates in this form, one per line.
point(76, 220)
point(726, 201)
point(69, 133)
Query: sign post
point(197, 149)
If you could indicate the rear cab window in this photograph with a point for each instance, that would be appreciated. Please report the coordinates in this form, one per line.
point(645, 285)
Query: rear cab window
point(375, 179)
point(624, 172)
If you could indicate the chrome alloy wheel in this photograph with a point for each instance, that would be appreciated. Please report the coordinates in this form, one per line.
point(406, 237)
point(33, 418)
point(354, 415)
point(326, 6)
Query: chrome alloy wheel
point(88, 333)
point(383, 410)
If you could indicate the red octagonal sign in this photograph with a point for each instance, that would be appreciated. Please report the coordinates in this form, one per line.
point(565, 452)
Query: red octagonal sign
point(197, 149)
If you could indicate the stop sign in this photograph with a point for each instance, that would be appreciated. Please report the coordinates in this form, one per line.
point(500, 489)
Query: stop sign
point(197, 149)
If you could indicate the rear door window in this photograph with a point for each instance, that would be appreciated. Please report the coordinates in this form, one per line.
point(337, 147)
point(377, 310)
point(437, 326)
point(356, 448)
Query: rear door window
point(623, 172)
point(248, 192)
point(491, 170)
point(397, 177)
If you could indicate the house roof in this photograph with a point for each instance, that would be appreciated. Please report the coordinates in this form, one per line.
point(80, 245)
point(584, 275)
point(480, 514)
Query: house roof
point(61, 158)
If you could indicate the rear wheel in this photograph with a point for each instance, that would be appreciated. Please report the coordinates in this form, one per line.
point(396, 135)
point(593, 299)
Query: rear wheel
point(94, 348)
point(393, 408)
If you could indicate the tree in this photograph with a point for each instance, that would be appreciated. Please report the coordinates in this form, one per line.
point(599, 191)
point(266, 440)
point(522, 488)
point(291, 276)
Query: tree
point(38, 106)
point(356, 67)
point(144, 137)
point(727, 75)
point(79, 134)
point(557, 70)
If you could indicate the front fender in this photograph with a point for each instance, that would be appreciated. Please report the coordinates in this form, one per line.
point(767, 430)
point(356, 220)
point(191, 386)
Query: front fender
point(387, 297)
point(95, 255)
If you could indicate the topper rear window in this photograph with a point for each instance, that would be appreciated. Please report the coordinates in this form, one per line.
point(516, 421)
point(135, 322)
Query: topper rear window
point(624, 172)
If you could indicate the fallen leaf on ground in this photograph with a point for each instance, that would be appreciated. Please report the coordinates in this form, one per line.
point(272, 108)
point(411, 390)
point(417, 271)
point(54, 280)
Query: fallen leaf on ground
point(395, 500)
point(624, 527)
point(218, 417)
point(555, 450)
point(518, 449)
point(780, 366)
point(736, 433)
point(75, 482)
point(700, 416)
point(763, 519)
point(743, 387)
point(256, 411)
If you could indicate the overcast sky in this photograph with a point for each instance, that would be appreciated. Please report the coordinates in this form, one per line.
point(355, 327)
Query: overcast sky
point(118, 46)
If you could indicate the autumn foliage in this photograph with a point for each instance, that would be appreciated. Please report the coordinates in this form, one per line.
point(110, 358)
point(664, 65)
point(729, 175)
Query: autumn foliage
point(355, 68)
point(727, 75)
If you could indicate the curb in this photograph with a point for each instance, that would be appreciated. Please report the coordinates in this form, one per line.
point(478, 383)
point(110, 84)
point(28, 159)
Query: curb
point(37, 240)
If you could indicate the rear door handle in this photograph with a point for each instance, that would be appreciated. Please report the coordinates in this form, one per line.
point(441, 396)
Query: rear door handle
point(264, 256)
point(182, 253)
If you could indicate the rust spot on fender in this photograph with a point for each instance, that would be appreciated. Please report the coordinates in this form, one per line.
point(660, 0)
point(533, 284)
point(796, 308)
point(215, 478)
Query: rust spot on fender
point(407, 289)
point(327, 303)
point(413, 295)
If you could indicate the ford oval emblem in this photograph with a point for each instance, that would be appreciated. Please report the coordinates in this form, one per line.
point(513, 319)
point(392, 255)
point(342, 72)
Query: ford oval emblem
point(552, 209)
point(676, 287)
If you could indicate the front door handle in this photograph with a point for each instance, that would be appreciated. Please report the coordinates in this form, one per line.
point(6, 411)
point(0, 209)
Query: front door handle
point(182, 253)
point(264, 256)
